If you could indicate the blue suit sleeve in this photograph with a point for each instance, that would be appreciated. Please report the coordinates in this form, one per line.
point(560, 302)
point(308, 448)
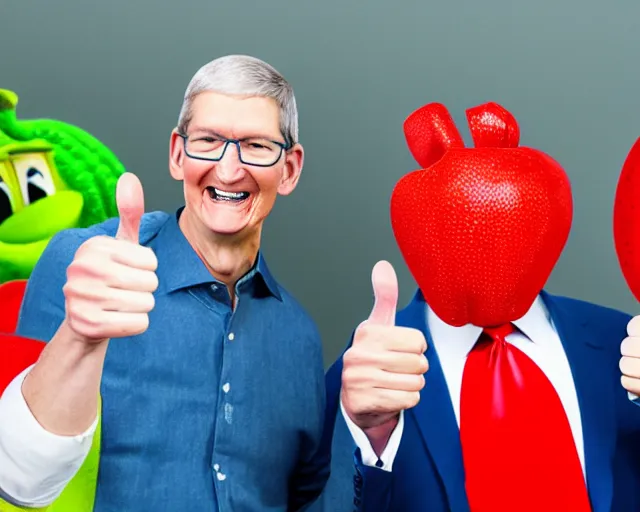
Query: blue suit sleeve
point(369, 489)
point(372, 488)
point(43, 305)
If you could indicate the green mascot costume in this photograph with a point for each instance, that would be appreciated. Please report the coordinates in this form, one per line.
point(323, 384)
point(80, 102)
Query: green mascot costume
point(53, 176)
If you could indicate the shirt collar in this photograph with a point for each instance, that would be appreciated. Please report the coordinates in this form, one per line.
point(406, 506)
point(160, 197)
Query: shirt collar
point(179, 266)
point(533, 325)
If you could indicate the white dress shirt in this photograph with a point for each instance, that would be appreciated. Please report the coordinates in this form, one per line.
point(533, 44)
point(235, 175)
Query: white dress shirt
point(35, 465)
point(538, 339)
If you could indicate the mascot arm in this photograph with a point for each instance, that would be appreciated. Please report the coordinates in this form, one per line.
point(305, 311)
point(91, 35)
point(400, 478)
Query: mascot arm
point(16, 355)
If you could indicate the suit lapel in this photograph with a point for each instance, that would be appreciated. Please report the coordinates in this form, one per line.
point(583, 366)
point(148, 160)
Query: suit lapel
point(437, 424)
point(434, 413)
point(592, 382)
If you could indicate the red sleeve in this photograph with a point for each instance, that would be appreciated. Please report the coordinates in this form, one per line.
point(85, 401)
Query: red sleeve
point(11, 294)
point(16, 353)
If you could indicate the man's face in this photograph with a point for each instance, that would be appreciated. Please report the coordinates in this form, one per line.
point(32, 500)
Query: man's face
point(230, 197)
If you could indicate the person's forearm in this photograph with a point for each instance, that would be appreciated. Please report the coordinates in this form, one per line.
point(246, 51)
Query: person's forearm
point(63, 387)
point(35, 465)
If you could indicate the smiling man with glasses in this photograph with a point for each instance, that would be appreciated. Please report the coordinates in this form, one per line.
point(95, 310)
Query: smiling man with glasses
point(210, 374)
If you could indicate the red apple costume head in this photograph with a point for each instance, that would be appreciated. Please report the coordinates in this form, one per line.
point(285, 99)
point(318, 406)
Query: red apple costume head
point(626, 220)
point(479, 228)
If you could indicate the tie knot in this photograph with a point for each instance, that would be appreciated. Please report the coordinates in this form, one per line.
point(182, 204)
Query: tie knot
point(500, 332)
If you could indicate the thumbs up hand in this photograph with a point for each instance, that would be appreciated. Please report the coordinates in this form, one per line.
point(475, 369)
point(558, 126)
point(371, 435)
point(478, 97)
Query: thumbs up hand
point(383, 370)
point(110, 283)
point(630, 360)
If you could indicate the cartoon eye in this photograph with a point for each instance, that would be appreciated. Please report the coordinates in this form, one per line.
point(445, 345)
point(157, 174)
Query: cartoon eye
point(34, 174)
point(6, 210)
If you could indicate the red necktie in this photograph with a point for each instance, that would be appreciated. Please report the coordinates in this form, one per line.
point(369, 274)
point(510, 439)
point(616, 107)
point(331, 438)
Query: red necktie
point(518, 449)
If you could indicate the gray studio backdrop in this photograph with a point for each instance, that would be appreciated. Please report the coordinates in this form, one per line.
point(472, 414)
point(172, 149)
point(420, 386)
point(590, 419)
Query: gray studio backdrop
point(567, 70)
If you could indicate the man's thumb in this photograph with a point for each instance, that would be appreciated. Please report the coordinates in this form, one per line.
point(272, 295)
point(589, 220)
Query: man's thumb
point(130, 201)
point(385, 291)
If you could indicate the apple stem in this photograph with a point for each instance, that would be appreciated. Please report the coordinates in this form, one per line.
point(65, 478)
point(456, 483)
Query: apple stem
point(429, 132)
point(493, 126)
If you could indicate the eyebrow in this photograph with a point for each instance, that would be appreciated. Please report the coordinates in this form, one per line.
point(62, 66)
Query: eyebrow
point(206, 130)
point(209, 131)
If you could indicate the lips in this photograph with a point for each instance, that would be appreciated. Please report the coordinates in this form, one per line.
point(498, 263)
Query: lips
point(225, 195)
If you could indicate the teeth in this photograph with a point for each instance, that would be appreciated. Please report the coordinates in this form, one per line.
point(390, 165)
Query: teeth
point(228, 196)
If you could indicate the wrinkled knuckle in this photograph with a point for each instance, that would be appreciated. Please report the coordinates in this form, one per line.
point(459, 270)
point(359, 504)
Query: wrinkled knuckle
point(154, 282)
point(625, 345)
point(625, 382)
point(630, 346)
point(348, 376)
point(91, 319)
point(93, 245)
point(68, 289)
point(143, 323)
point(88, 264)
point(86, 328)
point(622, 364)
point(627, 365)
point(631, 385)
point(152, 258)
point(357, 356)
point(633, 326)
point(74, 268)
point(411, 400)
point(347, 358)
point(419, 343)
point(150, 302)
point(363, 333)
point(73, 289)
point(631, 366)
point(417, 383)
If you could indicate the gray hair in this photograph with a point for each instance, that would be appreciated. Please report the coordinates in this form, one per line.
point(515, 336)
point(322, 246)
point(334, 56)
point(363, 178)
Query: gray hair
point(243, 75)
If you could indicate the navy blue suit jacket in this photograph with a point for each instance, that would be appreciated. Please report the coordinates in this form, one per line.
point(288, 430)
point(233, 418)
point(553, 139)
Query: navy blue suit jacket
point(428, 473)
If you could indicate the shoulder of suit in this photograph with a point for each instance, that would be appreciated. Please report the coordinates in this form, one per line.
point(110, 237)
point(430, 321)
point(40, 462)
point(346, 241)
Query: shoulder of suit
point(593, 311)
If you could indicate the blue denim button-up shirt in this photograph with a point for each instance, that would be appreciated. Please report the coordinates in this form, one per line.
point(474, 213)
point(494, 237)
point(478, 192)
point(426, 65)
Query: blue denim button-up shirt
point(211, 409)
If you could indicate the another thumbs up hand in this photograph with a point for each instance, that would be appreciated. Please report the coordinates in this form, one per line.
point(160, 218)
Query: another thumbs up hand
point(383, 370)
point(110, 283)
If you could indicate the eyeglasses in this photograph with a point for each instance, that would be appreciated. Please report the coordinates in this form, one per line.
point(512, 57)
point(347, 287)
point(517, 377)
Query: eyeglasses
point(252, 151)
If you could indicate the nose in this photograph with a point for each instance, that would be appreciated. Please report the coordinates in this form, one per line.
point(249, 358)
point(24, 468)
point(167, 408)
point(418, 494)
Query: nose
point(229, 168)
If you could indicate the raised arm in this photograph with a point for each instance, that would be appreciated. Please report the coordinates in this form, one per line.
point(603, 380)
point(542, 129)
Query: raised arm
point(82, 293)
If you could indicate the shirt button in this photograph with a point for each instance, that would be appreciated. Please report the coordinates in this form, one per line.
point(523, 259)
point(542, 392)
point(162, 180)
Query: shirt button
point(231, 336)
point(226, 387)
point(221, 476)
